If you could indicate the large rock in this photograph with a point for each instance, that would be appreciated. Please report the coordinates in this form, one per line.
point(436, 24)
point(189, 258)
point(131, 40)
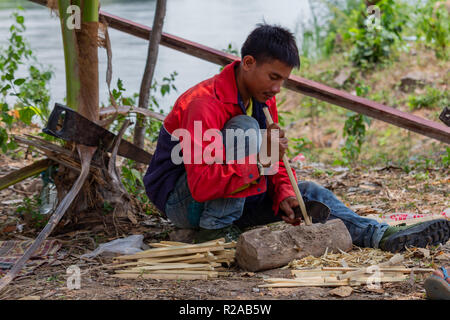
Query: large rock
point(263, 248)
point(413, 80)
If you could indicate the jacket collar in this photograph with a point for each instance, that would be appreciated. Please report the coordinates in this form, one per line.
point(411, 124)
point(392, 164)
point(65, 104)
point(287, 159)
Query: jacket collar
point(226, 88)
point(225, 84)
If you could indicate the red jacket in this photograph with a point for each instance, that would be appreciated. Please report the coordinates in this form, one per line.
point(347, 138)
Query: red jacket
point(212, 102)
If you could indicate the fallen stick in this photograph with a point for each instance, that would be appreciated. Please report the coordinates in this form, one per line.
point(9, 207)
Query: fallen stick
point(394, 260)
point(86, 154)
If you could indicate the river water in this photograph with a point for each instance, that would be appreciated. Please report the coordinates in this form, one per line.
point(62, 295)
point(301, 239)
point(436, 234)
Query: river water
point(214, 23)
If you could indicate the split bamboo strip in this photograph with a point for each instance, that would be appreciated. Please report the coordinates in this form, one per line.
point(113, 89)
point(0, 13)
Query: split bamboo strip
point(162, 276)
point(230, 245)
point(167, 266)
point(389, 269)
point(201, 260)
point(330, 281)
point(211, 274)
point(184, 246)
point(159, 245)
point(169, 251)
point(211, 268)
point(300, 274)
point(394, 260)
point(173, 243)
point(173, 259)
point(121, 265)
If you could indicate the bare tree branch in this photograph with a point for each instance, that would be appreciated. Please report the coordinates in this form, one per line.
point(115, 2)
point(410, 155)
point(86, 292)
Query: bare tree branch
point(144, 94)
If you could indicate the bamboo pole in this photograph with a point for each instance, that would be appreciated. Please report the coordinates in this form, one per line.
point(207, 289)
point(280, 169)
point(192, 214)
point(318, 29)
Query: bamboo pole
point(291, 176)
point(24, 173)
point(70, 48)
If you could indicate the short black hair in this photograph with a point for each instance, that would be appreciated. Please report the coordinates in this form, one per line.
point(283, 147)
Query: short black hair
point(271, 42)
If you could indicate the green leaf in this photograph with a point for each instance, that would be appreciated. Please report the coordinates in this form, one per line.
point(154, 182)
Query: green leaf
point(19, 81)
point(26, 114)
point(7, 87)
point(20, 19)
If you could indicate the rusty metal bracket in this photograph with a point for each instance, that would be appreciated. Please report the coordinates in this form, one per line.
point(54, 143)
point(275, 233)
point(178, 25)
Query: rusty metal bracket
point(445, 116)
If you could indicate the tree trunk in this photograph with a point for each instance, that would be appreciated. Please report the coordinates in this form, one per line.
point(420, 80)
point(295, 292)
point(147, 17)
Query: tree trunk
point(102, 197)
point(152, 56)
point(87, 38)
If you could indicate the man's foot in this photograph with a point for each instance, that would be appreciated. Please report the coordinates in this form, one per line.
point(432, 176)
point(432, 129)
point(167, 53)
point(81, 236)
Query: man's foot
point(417, 235)
point(437, 286)
point(230, 233)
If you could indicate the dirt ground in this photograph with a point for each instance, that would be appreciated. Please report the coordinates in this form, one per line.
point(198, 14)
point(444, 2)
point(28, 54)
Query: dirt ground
point(377, 191)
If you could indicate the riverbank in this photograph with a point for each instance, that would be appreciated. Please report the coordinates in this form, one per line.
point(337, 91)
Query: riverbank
point(414, 82)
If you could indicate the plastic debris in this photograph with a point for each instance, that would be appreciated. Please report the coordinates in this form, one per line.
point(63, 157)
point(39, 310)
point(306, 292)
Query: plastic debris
point(123, 246)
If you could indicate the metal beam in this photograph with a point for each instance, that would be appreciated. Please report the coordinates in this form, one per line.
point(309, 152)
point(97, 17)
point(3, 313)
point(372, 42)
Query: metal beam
point(304, 86)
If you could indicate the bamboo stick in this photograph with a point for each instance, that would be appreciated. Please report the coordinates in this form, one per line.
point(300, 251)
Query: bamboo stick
point(330, 281)
point(394, 260)
point(172, 259)
point(174, 243)
point(209, 273)
point(389, 269)
point(291, 176)
point(162, 276)
point(169, 252)
point(167, 266)
point(159, 245)
point(121, 265)
point(24, 173)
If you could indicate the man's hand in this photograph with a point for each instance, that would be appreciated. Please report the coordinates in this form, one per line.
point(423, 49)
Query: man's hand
point(270, 137)
point(287, 212)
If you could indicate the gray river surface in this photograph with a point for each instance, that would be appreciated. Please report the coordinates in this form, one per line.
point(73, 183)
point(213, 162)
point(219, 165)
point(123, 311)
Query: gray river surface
point(213, 23)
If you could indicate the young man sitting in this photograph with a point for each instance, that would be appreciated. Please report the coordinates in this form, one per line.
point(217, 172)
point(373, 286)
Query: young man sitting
point(221, 197)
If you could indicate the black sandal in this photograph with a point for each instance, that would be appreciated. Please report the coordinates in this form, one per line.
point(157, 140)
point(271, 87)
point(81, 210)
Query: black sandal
point(438, 288)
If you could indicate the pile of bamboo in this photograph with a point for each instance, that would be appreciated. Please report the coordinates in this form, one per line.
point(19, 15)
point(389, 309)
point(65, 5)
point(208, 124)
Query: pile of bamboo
point(177, 260)
point(347, 276)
